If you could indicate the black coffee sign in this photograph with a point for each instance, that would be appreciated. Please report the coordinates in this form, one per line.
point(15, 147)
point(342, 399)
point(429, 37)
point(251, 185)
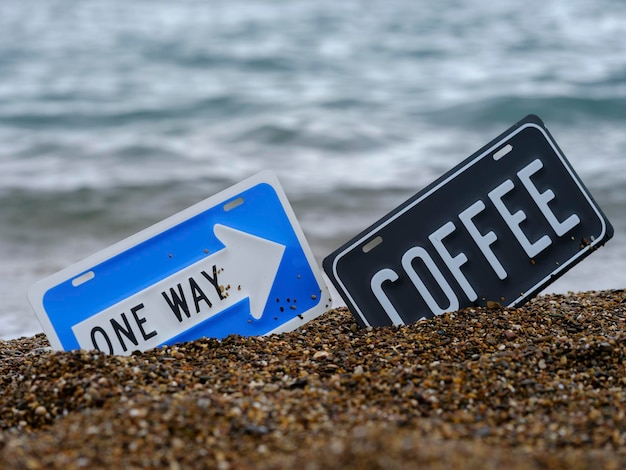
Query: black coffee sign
point(499, 227)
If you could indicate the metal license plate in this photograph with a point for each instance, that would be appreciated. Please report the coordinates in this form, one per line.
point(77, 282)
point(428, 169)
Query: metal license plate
point(235, 263)
point(499, 227)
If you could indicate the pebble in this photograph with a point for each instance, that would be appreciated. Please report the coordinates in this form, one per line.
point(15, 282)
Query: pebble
point(541, 386)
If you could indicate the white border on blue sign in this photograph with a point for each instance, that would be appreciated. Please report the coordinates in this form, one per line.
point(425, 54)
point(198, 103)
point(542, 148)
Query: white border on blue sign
point(39, 289)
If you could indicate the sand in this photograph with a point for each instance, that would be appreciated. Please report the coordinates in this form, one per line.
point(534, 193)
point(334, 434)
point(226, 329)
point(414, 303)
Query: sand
point(542, 386)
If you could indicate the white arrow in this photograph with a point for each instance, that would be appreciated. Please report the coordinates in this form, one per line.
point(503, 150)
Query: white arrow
point(245, 268)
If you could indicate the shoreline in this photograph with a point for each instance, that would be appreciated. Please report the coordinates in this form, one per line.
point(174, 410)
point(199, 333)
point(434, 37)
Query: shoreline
point(541, 386)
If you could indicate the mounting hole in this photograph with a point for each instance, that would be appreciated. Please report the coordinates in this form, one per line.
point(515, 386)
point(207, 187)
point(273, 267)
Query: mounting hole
point(369, 246)
point(502, 152)
point(229, 206)
point(88, 276)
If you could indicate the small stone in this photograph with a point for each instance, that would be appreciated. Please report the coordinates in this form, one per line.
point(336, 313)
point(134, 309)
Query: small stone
point(358, 371)
point(322, 355)
point(271, 387)
point(257, 430)
point(137, 412)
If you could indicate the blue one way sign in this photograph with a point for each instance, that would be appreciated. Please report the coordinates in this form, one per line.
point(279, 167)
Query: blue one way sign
point(236, 263)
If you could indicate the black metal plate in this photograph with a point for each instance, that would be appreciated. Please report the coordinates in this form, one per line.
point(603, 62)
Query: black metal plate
point(500, 226)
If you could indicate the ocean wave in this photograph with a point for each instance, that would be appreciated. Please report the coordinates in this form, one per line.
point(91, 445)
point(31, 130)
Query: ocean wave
point(38, 216)
point(348, 140)
point(553, 109)
point(76, 115)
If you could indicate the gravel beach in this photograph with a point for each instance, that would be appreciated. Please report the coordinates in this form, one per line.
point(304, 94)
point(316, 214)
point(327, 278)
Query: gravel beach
point(542, 386)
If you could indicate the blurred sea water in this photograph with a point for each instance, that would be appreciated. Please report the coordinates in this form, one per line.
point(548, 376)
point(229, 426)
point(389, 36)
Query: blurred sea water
point(115, 115)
